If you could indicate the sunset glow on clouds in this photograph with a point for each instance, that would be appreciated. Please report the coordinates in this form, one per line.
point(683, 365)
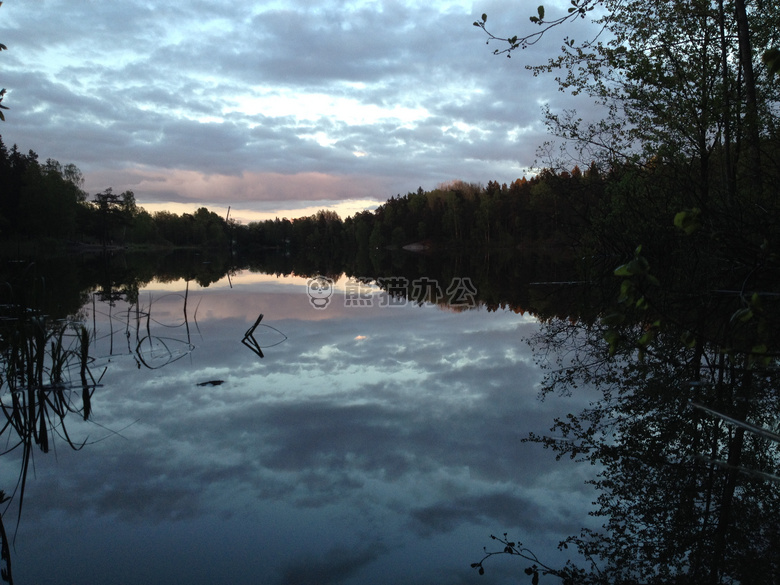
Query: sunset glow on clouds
point(271, 107)
point(251, 196)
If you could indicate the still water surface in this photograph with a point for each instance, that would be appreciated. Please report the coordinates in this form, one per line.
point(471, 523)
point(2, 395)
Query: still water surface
point(375, 444)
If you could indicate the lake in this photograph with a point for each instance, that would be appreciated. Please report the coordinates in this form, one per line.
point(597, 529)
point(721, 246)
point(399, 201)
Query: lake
point(196, 420)
point(349, 437)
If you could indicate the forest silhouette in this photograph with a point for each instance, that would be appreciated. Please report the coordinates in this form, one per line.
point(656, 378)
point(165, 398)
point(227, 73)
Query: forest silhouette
point(45, 201)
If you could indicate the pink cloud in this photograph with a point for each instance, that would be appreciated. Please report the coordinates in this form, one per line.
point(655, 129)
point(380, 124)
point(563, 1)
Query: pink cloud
point(151, 185)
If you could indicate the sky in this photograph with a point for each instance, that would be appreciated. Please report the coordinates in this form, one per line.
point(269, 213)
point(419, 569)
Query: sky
point(273, 108)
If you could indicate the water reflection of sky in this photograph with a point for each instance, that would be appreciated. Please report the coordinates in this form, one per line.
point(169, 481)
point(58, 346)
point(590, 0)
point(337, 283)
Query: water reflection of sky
point(373, 445)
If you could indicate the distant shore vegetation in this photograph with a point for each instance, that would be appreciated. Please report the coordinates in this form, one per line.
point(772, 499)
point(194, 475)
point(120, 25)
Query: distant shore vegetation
point(46, 201)
point(601, 210)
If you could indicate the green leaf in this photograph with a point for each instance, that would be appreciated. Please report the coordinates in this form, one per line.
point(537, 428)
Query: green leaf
point(688, 220)
point(743, 315)
point(646, 338)
point(612, 338)
point(627, 290)
point(637, 266)
point(484, 17)
point(540, 11)
point(771, 59)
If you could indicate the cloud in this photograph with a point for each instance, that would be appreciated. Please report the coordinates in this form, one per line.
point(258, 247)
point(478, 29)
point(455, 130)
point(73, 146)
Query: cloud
point(245, 190)
point(334, 566)
point(273, 101)
point(496, 509)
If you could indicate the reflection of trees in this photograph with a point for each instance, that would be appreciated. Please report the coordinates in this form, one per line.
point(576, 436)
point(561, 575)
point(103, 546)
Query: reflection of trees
point(502, 279)
point(689, 466)
point(44, 376)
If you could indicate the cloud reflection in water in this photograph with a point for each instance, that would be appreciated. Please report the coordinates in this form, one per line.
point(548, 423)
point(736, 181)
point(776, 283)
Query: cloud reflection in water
point(374, 445)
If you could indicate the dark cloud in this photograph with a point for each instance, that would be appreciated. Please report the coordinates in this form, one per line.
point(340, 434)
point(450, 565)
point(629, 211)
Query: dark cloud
point(333, 567)
point(362, 90)
point(496, 509)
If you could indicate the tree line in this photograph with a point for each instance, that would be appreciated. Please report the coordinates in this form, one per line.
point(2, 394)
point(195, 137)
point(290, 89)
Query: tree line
point(605, 209)
point(46, 200)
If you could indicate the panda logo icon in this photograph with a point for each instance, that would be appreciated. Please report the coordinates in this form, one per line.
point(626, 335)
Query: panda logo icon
point(320, 289)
